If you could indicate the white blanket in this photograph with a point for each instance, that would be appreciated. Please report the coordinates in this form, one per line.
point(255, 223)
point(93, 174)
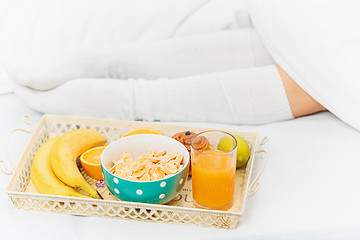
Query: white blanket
point(318, 44)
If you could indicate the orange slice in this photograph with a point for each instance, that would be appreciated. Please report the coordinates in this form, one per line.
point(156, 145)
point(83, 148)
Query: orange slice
point(90, 161)
point(142, 131)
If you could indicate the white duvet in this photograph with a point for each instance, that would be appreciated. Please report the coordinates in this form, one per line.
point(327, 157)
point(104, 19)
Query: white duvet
point(50, 47)
point(318, 44)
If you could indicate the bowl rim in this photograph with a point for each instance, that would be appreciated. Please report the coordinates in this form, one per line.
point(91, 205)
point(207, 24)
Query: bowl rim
point(152, 135)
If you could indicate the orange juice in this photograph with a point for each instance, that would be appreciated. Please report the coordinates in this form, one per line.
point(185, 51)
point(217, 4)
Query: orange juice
point(213, 179)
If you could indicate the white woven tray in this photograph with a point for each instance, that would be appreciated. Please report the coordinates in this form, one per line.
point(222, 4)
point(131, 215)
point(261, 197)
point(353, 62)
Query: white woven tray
point(180, 210)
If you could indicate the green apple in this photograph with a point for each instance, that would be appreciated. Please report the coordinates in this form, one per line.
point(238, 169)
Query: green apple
point(226, 144)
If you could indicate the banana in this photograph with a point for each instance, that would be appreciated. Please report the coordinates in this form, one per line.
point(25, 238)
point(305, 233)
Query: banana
point(67, 149)
point(43, 177)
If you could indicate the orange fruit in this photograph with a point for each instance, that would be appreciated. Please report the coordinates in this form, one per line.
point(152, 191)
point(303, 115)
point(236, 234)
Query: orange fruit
point(90, 161)
point(142, 131)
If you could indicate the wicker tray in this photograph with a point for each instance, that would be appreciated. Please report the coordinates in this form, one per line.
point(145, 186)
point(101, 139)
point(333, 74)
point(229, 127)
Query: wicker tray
point(180, 210)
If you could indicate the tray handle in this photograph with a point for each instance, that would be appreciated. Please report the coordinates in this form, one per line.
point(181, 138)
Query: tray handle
point(255, 185)
point(7, 167)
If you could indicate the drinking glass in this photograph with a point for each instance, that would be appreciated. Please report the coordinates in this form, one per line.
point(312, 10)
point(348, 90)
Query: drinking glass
point(213, 171)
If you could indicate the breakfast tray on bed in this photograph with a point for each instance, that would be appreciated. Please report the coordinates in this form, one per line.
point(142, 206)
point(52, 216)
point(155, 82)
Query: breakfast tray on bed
point(180, 210)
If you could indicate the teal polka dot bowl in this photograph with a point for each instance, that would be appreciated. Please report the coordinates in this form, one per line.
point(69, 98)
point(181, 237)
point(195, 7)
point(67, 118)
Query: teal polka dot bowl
point(156, 192)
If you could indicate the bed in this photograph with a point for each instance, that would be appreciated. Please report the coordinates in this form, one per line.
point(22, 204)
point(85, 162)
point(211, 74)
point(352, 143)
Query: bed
point(309, 189)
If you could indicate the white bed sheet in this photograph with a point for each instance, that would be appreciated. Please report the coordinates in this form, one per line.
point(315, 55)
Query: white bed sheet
point(309, 188)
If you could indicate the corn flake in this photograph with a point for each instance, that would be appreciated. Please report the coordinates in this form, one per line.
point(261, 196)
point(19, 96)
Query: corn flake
point(151, 167)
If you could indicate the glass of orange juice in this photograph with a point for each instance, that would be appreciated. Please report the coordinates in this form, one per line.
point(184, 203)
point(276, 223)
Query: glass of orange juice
point(213, 171)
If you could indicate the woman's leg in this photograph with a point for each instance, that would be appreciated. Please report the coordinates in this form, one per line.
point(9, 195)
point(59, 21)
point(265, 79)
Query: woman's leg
point(300, 102)
point(171, 58)
point(244, 96)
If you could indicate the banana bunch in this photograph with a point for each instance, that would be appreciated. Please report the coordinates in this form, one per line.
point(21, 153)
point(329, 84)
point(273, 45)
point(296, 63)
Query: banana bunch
point(54, 169)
